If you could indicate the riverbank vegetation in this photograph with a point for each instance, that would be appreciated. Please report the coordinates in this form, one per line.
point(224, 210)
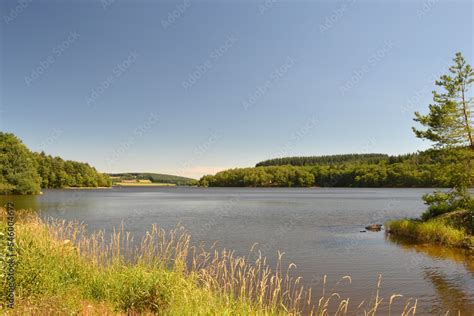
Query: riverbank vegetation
point(449, 219)
point(26, 172)
point(61, 268)
point(455, 229)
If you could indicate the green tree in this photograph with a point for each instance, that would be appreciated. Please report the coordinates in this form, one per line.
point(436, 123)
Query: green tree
point(58, 173)
point(18, 173)
point(25, 172)
point(449, 124)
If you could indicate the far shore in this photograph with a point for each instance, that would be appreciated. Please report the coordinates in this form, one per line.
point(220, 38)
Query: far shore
point(85, 188)
point(137, 184)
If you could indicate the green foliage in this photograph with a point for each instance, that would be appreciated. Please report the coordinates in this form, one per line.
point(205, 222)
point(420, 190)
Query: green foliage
point(25, 172)
point(133, 288)
point(277, 176)
point(450, 122)
point(44, 269)
point(425, 169)
point(155, 178)
point(58, 173)
point(18, 174)
point(462, 220)
point(459, 164)
point(440, 203)
point(449, 219)
point(456, 164)
point(324, 160)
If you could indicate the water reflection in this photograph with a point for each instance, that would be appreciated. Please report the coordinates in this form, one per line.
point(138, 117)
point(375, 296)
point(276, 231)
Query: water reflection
point(460, 256)
point(454, 298)
point(454, 291)
point(319, 229)
point(28, 202)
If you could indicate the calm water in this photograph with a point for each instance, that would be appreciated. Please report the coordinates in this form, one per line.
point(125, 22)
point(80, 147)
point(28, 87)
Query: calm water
point(318, 229)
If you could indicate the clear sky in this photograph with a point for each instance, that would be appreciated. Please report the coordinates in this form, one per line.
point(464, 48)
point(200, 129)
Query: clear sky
point(192, 87)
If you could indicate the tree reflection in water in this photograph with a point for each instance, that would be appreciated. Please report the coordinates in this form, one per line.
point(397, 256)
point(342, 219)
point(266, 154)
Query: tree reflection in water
point(455, 292)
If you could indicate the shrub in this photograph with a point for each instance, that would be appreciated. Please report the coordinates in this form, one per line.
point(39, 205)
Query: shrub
point(441, 203)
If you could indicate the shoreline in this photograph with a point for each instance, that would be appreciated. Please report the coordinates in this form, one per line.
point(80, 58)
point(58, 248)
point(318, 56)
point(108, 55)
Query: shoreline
point(144, 185)
point(218, 187)
point(82, 188)
point(438, 231)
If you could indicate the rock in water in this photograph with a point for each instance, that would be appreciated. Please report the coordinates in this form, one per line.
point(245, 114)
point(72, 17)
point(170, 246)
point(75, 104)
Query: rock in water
point(374, 227)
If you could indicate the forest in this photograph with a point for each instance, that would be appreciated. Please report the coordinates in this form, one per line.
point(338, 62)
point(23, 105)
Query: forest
point(423, 169)
point(448, 164)
point(25, 172)
point(329, 160)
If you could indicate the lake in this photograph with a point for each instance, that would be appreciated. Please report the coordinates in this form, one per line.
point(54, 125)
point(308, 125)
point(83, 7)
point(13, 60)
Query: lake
point(319, 229)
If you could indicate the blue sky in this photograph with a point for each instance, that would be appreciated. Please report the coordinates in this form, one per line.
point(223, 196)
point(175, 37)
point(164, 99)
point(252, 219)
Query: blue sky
point(191, 87)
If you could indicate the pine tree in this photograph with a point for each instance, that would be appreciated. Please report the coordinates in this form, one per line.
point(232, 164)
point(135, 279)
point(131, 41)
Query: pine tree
point(450, 120)
point(449, 124)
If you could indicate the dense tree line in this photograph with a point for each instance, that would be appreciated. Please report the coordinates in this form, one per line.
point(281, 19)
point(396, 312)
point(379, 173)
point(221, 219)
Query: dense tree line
point(329, 159)
point(415, 170)
point(25, 172)
point(283, 176)
point(58, 173)
point(334, 159)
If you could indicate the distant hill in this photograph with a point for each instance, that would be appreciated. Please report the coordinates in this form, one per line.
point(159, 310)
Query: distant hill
point(153, 177)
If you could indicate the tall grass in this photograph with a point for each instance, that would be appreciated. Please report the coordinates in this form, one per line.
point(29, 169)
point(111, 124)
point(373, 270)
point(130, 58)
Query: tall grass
point(435, 231)
point(61, 269)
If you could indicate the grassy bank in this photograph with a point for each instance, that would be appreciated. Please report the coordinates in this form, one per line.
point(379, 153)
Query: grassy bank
point(452, 230)
point(61, 269)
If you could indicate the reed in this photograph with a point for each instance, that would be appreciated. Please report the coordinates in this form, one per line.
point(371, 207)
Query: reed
point(63, 268)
